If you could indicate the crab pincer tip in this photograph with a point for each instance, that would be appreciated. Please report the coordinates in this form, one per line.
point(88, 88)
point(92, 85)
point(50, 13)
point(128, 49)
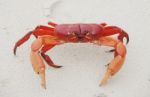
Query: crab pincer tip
point(106, 78)
point(102, 83)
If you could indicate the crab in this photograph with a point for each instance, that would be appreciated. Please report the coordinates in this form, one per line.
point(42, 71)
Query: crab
point(55, 34)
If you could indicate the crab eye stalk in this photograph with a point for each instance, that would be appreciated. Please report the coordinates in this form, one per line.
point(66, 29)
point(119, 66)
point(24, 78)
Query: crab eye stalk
point(88, 35)
point(71, 33)
point(72, 36)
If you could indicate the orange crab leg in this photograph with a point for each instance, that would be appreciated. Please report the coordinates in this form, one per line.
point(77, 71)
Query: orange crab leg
point(36, 58)
point(111, 30)
point(37, 62)
point(117, 62)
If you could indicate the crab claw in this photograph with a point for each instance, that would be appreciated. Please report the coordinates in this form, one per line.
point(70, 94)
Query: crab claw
point(37, 62)
point(39, 67)
point(106, 77)
point(36, 57)
point(119, 56)
point(42, 76)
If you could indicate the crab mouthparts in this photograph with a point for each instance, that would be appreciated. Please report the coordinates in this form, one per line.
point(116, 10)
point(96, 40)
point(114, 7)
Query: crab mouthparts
point(81, 38)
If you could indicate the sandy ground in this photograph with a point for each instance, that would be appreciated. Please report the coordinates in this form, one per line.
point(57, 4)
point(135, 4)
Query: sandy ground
point(83, 64)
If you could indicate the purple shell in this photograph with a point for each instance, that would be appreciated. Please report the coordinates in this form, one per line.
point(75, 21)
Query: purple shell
point(79, 29)
point(92, 28)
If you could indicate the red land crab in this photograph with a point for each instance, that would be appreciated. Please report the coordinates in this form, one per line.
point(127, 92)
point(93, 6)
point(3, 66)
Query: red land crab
point(56, 34)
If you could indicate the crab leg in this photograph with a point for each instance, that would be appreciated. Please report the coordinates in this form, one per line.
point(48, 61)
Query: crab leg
point(111, 30)
point(21, 41)
point(119, 57)
point(44, 49)
point(52, 24)
point(37, 62)
point(36, 58)
point(44, 28)
point(39, 31)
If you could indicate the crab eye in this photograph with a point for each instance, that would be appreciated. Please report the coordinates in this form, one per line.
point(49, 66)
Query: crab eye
point(71, 33)
point(88, 33)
